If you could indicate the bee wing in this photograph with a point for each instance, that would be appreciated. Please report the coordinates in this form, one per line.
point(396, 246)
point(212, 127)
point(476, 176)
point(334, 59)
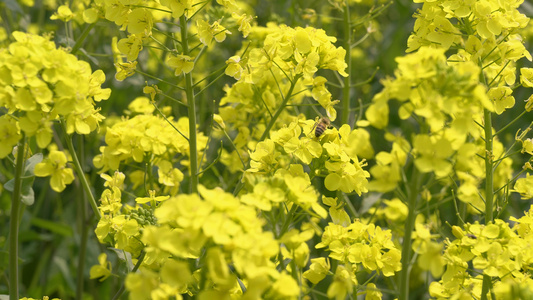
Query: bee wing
point(313, 128)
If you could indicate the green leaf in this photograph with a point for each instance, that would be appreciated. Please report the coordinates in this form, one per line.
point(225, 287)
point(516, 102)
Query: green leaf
point(30, 164)
point(32, 235)
point(10, 185)
point(123, 256)
point(28, 196)
point(63, 266)
point(369, 201)
point(90, 57)
point(54, 227)
point(13, 6)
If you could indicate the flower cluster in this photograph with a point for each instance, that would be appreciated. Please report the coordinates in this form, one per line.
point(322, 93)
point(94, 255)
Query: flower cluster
point(393, 211)
point(236, 257)
point(140, 16)
point(278, 72)
point(494, 249)
point(116, 226)
point(40, 85)
point(354, 246)
point(223, 232)
point(428, 248)
point(485, 20)
point(486, 32)
point(386, 173)
point(148, 138)
point(286, 55)
point(333, 155)
point(430, 87)
point(448, 97)
point(288, 187)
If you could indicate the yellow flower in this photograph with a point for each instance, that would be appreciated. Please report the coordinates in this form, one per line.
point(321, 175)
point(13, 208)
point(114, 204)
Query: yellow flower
point(396, 210)
point(526, 77)
point(372, 292)
point(285, 287)
point(168, 175)
point(527, 146)
point(9, 135)
point(524, 186)
point(101, 271)
point(502, 98)
point(55, 165)
point(342, 284)
point(140, 20)
point(433, 154)
point(207, 32)
point(142, 105)
point(182, 64)
point(152, 198)
point(220, 122)
point(244, 21)
point(131, 46)
point(336, 211)
point(63, 13)
point(318, 270)
point(179, 7)
point(234, 69)
point(125, 70)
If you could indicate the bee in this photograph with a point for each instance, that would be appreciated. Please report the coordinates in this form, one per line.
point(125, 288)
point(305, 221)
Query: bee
point(321, 126)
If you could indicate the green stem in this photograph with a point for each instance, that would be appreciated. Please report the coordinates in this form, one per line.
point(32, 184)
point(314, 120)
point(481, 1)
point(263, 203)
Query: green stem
point(489, 182)
point(209, 84)
point(82, 38)
point(79, 171)
point(280, 109)
point(511, 123)
point(294, 269)
point(193, 154)
point(15, 222)
point(486, 287)
point(135, 268)
point(83, 251)
point(345, 199)
point(163, 81)
point(235, 148)
point(347, 86)
point(84, 235)
point(168, 121)
point(412, 199)
point(489, 188)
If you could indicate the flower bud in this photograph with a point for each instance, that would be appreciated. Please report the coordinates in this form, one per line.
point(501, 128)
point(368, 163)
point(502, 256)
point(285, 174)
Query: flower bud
point(529, 103)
